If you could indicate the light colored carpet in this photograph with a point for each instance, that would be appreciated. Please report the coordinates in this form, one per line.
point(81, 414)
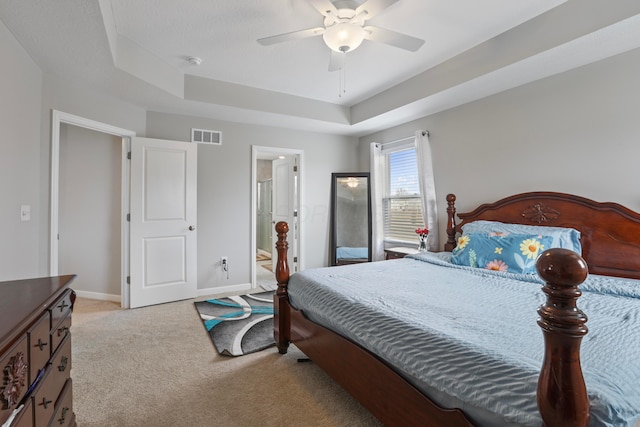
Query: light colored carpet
point(156, 367)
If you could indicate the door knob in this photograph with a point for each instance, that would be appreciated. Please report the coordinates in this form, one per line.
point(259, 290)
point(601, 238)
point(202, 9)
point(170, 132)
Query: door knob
point(192, 227)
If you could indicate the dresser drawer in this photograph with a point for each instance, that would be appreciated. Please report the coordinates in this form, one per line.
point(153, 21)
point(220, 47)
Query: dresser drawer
point(60, 332)
point(39, 345)
point(44, 399)
point(62, 307)
point(61, 365)
point(63, 415)
point(14, 381)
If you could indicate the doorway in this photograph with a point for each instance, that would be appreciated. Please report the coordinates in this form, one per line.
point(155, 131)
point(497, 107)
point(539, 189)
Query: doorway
point(59, 118)
point(89, 239)
point(276, 195)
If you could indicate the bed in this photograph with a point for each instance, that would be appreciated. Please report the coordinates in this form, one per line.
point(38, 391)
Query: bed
point(556, 392)
point(351, 255)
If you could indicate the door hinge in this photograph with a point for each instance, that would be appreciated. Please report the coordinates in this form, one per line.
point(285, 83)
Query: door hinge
point(295, 259)
point(295, 168)
point(129, 217)
point(128, 280)
point(295, 213)
point(129, 155)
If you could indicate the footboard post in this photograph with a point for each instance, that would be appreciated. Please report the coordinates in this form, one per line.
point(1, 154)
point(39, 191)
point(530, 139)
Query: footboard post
point(451, 223)
point(562, 394)
point(281, 324)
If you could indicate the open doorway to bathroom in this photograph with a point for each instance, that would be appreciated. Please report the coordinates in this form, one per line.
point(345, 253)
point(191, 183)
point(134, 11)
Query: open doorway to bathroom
point(276, 196)
point(264, 251)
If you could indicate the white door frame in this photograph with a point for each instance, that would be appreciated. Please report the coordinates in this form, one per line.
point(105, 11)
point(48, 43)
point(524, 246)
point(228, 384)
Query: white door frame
point(57, 118)
point(256, 152)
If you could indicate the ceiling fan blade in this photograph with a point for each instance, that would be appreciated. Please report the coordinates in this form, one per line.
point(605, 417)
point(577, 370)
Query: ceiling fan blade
point(373, 7)
point(393, 38)
point(295, 35)
point(325, 7)
point(337, 60)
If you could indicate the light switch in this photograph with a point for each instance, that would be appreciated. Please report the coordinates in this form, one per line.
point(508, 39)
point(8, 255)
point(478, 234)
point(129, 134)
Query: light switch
point(25, 213)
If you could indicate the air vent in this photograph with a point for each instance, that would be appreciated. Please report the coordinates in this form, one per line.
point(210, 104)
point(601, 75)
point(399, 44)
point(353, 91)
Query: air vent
point(203, 136)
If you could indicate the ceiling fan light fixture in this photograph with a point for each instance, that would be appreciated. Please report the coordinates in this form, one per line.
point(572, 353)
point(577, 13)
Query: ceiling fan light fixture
point(344, 36)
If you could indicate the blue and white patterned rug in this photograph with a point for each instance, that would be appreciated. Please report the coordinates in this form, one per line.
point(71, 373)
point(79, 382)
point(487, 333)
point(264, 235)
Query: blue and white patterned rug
point(240, 324)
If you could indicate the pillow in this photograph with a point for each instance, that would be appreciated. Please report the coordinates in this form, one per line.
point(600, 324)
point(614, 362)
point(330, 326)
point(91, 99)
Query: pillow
point(502, 251)
point(567, 238)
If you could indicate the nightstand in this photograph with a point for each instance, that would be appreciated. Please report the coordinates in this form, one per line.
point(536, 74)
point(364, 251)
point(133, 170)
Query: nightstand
point(399, 252)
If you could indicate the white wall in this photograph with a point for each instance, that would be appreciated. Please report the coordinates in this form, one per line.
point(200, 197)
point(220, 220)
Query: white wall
point(20, 102)
point(81, 100)
point(576, 132)
point(90, 211)
point(224, 189)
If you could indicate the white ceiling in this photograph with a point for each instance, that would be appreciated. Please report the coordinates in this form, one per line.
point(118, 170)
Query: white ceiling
point(137, 50)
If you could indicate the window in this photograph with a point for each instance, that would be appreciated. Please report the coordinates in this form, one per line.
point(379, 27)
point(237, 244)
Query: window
point(402, 207)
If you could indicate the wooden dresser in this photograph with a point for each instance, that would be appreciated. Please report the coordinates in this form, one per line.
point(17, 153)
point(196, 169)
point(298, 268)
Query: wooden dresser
point(35, 352)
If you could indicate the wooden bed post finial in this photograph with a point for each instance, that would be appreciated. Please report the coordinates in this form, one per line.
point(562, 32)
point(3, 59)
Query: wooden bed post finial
point(281, 298)
point(562, 394)
point(282, 265)
point(451, 223)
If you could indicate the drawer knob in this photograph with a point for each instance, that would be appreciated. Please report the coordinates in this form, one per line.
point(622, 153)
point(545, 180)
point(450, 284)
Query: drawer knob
point(41, 344)
point(63, 330)
point(63, 363)
point(63, 306)
point(63, 415)
point(45, 402)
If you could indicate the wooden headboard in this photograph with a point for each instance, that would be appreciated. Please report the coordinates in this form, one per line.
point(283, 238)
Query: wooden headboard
point(610, 233)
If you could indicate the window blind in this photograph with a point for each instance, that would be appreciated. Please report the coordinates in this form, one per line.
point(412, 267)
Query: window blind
point(402, 207)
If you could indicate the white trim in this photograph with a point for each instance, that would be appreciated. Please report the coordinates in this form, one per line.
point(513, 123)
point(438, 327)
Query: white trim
point(98, 296)
point(226, 290)
point(256, 151)
point(58, 117)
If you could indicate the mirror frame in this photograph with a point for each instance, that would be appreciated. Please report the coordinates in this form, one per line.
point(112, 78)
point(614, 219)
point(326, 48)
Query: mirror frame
point(333, 237)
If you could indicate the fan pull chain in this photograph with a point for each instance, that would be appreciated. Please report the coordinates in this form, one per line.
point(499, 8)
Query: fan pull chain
point(343, 79)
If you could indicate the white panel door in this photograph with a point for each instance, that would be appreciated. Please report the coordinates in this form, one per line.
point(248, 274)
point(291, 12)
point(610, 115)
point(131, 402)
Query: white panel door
point(163, 221)
point(284, 179)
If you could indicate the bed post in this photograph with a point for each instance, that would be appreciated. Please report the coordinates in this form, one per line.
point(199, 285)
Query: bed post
point(451, 223)
point(562, 395)
point(281, 325)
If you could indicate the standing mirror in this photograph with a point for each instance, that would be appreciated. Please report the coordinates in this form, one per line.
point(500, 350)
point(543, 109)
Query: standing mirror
point(350, 240)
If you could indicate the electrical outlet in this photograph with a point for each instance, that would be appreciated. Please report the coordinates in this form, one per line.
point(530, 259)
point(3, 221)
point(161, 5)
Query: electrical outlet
point(224, 262)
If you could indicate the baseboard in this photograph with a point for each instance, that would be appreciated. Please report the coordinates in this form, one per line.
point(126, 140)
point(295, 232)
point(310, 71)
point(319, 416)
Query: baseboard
point(226, 290)
point(216, 292)
point(98, 296)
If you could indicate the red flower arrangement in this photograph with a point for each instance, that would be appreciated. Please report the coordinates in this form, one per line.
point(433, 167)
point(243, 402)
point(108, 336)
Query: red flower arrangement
point(422, 232)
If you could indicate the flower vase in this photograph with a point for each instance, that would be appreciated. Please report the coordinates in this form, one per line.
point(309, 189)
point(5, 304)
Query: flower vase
point(422, 246)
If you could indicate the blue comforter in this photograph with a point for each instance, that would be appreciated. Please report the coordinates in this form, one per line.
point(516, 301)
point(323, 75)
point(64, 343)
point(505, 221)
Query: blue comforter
point(470, 337)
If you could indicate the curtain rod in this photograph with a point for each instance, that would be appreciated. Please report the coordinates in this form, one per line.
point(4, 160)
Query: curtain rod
point(424, 133)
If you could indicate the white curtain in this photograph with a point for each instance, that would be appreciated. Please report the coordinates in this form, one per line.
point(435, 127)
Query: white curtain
point(427, 189)
point(377, 191)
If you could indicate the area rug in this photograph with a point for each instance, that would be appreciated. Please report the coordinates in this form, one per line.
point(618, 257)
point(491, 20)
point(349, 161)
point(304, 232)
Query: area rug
point(239, 324)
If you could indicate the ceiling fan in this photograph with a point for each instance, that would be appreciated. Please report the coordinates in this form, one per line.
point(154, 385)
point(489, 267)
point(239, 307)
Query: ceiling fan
point(345, 29)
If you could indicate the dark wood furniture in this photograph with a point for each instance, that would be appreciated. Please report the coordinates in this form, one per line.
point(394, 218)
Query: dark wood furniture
point(35, 351)
point(398, 252)
point(610, 236)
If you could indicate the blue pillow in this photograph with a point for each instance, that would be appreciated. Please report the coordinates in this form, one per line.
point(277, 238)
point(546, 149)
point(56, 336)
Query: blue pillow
point(563, 237)
point(501, 251)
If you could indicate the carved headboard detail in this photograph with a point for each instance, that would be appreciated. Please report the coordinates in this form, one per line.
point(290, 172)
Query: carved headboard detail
point(610, 232)
point(540, 214)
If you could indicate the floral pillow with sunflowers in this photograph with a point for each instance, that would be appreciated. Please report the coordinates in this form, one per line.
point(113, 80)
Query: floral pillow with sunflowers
point(500, 251)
